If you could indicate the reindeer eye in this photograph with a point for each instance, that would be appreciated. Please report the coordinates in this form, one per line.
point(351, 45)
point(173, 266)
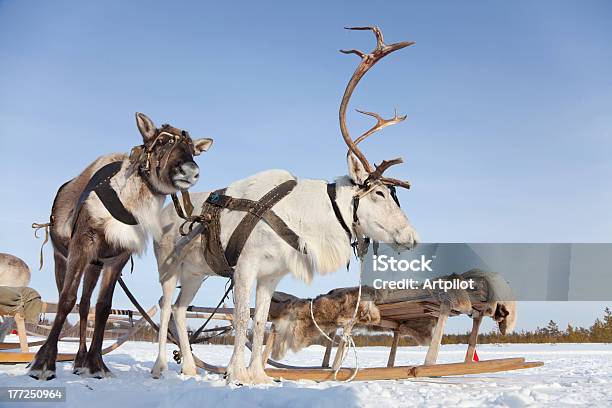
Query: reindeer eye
point(380, 193)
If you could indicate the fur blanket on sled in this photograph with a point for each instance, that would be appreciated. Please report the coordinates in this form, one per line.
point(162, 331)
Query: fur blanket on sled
point(295, 329)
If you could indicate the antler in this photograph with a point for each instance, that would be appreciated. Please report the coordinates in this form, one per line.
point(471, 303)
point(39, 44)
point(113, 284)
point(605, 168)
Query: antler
point(380, 124)
point(367, 62)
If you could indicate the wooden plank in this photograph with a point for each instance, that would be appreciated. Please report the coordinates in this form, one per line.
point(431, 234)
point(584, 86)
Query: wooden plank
point(476, 320)
point(196, 315)
point(487, 366)
point(339, 354)
point(436, 338)
point(408, 306)
point(387, 324)
point(52, 308)
point(268, 349)
point(393, 351)
point(11, 346)
point(17, 358)
point(21, 332)
point(328, 349)
point(404, 372)
point(221, 310)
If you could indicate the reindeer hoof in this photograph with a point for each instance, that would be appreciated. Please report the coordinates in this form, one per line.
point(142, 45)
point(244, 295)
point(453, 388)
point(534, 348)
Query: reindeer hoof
point(158, 369)
point(79, 362)
point(238, 376)
point(42, 368)
point(95, 368)
point(42, 375)
point(189, 371)
point(100, 374)
point(260, 377)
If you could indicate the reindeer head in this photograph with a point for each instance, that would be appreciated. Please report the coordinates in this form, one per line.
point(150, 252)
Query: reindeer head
point(376, 209)
point(165, 159)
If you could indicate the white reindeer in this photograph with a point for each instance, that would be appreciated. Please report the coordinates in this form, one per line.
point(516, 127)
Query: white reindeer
point(365, 200)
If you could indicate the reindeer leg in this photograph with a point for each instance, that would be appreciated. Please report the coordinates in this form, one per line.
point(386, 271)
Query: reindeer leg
point(264, 291)
point(236, 371)
point(94, 365)
point(85, 248)
point(89, 283)
point(165, 303)
point(60, 270)
point(189, 288)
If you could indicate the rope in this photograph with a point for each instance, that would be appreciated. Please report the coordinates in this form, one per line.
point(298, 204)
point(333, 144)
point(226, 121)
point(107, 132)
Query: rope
point(346, 336)
point(38, 227)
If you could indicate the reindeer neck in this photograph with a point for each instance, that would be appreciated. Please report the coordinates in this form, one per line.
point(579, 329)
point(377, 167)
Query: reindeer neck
point(138, 198)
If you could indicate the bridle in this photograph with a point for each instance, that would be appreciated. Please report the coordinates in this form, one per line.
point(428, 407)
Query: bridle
point(358, 241)
point(165, 142)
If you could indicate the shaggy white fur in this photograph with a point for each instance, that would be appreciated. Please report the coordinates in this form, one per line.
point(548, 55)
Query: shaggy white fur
point(144, 205)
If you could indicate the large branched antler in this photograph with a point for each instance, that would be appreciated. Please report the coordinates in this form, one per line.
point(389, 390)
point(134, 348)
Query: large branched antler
point(367, 62)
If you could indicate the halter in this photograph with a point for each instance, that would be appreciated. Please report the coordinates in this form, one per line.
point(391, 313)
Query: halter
point(357, 240)
point(165, 141)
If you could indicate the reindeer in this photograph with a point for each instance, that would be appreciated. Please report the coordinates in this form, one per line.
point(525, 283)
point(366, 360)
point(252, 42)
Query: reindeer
point(99, 232)
point(14, 273)
point(318, 214)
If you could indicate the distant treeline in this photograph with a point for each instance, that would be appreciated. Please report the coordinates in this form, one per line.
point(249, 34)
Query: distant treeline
point(599, 332)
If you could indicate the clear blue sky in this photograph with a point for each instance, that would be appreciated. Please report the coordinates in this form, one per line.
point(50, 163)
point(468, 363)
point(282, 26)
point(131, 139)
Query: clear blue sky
point(508, 137)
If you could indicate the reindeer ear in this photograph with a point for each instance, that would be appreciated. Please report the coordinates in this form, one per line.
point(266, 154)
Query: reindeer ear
point(202, 145)
point(357, 172)
point(146, 126)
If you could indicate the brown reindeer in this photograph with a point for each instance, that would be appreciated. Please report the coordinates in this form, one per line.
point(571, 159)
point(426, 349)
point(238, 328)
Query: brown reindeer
point(102, 217)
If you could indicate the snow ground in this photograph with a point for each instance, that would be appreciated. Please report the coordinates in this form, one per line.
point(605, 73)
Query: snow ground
point(573, 375)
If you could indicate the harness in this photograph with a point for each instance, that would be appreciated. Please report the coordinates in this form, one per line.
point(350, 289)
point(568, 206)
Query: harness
point(100, 184)
point(223, 261)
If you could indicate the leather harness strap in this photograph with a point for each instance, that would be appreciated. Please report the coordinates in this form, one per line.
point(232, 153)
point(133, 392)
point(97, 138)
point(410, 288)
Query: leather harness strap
point(100, 184)
point(211, 236)
point(255, 212)
point(331, 193)
point(221, 261)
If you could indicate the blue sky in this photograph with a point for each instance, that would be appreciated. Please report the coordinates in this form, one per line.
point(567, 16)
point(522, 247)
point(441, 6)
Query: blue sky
point(508, 137)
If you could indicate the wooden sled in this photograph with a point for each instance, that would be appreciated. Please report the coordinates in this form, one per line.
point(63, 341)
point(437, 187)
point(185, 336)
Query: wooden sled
point(392, 315)
point(25, 356)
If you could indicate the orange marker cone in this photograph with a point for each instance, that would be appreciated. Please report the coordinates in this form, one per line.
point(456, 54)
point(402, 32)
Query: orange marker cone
point(476, 356)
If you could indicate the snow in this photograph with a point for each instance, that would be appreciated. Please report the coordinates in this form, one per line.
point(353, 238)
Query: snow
point(573, 375)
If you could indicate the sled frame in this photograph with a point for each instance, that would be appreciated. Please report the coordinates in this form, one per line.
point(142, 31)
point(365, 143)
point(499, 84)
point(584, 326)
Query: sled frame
point(25, 356)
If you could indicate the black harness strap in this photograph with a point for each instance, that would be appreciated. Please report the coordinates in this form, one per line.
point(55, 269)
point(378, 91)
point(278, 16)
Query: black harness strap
point(100, 184)
point(331, 192)
point(221, 261)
